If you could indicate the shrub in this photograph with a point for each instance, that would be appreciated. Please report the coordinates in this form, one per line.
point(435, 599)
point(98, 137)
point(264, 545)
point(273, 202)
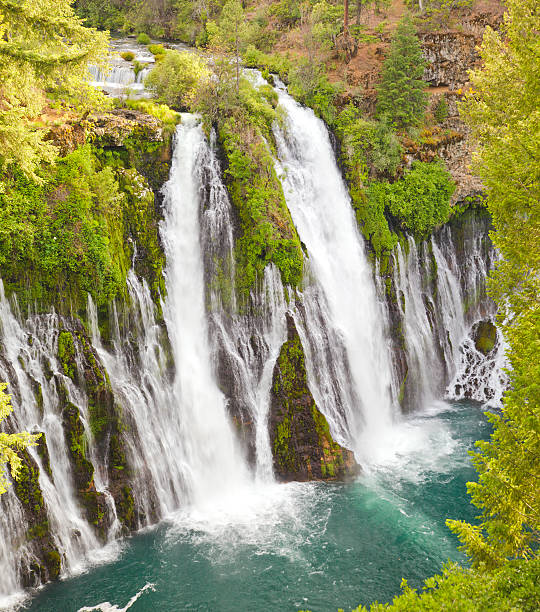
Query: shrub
point(129, 56)
point(177, 77)
point(156, 49)
point(421, 200)
point(143, 39)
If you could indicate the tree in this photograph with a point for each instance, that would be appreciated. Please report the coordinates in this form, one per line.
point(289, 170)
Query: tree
point(401, 95)
point(11, 443)
point(177, 77)
point(502, 109)
point(231, 34)
point(44, 50)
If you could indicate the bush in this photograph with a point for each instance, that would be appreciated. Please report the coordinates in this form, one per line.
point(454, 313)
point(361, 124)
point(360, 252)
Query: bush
point(156, 49)
point(129, 56)
point(143, 39)
point(159, 111)
point(309, 84)
point(177, 77)
point(421, 200)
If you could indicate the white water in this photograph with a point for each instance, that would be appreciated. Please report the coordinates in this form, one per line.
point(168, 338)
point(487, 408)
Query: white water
point(440, 299)
point(347, 354)
point(214, 466)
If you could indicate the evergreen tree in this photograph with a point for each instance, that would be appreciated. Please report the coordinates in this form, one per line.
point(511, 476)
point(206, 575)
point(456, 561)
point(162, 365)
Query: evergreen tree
point(503, 112)
point(11, 443)
point(44, 51)
point(401, 96)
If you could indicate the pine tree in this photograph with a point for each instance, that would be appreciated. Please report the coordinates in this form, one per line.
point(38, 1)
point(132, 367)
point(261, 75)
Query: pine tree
point(401, 96)
point(44, 50)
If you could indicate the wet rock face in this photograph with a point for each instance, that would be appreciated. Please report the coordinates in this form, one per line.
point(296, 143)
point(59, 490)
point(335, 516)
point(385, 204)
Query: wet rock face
point(302, 445)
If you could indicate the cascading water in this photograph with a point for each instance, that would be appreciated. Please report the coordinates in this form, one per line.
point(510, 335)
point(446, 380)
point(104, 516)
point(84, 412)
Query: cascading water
point(340, 321)
point(440, 295)
point(29, 362)
point(213, 463)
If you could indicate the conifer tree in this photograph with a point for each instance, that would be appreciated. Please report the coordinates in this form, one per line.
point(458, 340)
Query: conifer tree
point(44, 50)
point(400, 96)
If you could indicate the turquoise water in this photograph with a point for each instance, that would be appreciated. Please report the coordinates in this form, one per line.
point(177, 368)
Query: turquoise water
point(301, 546)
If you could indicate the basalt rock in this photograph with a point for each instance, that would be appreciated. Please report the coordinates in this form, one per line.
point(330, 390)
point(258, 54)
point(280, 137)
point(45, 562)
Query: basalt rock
point(302, 445)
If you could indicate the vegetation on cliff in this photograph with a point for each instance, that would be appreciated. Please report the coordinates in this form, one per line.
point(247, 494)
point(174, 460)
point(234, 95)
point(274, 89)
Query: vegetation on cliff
point(45, 51)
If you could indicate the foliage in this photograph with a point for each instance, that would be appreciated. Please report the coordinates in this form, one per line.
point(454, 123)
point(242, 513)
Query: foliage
point(44, 48)
point(287, 12)
point(421, 200)
point(267, 231)
point(515, 586)
point(309, 84)
point(400, 94)
point(503, 111)
point(160, 111)
point(326, 23)
point(143, 39)
point(441, 110)
point(11, 443)
point(177, 77)
point(68, 235)
point(128, 56)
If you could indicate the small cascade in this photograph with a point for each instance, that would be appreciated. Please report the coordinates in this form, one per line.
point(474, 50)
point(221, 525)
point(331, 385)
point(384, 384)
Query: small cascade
point(340, 316)
point(120, 78)
point(245, 346)
point(440, 295)
point(29, 362)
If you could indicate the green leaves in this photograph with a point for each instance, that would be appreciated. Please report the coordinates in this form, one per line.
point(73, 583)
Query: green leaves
point(502, 111)
point(401, 96)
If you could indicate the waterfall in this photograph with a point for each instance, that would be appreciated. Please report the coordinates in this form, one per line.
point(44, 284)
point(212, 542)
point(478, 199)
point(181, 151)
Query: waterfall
point(440, 296)
point(212, 462)
point(28, 361)
point(340, 320)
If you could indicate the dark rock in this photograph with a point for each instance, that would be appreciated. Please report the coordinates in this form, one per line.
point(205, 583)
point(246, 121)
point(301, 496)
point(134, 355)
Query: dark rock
point(485, 336)
point(302, 445)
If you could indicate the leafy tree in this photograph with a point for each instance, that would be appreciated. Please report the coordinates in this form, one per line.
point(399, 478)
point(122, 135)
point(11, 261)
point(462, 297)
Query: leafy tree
point(11, 443)
point(176, 78)
point(44, 48)
point(231, 34)
point(503, 111)
point(401, 95)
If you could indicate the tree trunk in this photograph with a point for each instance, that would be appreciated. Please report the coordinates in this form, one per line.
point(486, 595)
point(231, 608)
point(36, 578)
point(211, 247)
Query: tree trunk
point(237, 60)
point(359, 4)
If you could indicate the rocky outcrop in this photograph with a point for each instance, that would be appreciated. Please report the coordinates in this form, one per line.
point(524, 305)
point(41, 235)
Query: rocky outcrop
point(43, 562)
point(302, 445)
point(449, 56)
point(81, 363)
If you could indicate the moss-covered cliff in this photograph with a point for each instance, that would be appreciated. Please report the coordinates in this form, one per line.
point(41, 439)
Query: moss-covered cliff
point(76, 231)
point(302, 445)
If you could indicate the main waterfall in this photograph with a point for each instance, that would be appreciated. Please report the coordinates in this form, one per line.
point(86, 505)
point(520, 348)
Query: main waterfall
point(339, 312)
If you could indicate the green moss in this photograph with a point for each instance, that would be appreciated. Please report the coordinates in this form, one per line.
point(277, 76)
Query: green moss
point(39, 530)
point(76, 441)
point(53, 563)
point(125, 508)
point(485, 337)
point(27, 485)
point(66, 353)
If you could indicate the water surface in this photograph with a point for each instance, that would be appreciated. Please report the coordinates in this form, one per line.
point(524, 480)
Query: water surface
point(316, 546)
